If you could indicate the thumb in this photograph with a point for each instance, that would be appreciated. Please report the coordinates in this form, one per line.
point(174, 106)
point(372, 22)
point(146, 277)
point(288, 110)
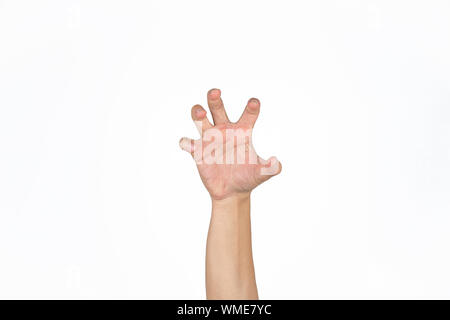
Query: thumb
point(269, 168)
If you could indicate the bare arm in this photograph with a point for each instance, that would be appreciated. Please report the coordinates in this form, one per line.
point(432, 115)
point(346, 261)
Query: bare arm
point(230, 169)
point(229, 263)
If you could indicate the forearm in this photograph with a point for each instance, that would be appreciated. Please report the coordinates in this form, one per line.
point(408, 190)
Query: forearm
point(229, 263)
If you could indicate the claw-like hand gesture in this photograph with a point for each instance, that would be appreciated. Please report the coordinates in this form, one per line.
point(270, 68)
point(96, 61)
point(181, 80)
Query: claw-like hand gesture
point(225, 157)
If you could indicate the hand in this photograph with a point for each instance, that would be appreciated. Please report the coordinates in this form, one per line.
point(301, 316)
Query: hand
point(226, 160)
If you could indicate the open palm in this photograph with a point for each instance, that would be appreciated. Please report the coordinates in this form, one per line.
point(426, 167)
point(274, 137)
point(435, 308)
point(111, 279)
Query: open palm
point(225, 157)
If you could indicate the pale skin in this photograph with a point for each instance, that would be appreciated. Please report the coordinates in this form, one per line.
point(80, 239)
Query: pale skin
point(229, 261)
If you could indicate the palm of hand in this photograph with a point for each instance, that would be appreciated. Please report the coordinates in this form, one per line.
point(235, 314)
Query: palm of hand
point(226, 160)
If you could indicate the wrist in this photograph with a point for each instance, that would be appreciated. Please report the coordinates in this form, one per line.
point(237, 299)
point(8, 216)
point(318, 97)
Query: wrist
point(234, 203)
point(234, 198)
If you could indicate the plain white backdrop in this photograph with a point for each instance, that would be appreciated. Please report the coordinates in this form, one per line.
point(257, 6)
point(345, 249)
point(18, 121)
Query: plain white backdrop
point(98, 201)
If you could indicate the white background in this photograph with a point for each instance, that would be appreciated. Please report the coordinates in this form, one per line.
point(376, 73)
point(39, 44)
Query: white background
point(98, 201)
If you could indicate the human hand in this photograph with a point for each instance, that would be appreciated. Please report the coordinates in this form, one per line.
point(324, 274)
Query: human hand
point(226, 160)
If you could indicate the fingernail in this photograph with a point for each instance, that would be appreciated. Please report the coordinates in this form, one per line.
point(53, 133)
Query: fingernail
point(202, 113)
point(214, 93)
